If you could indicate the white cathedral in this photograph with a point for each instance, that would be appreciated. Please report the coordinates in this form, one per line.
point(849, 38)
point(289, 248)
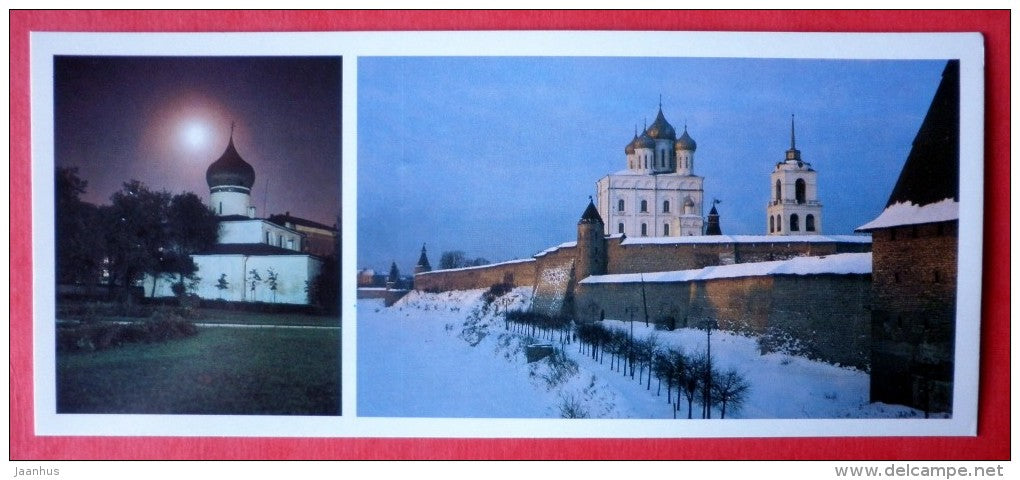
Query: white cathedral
point(248, 244)
point(658, 195)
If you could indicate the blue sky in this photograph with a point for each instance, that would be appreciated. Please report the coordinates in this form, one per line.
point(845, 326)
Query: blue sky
point(496, 156)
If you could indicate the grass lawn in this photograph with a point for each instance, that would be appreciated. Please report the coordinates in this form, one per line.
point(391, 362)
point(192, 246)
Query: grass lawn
point(207, 315)
point(227, 371)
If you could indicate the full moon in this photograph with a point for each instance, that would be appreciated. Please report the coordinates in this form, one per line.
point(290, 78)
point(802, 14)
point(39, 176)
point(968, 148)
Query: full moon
point(195, 135)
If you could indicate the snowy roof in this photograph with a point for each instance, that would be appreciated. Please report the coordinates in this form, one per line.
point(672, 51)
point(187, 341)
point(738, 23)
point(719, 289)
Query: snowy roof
point(557, 247)
point(906, 213)
point(839, 264)
point(508, 262)
point(748, 239)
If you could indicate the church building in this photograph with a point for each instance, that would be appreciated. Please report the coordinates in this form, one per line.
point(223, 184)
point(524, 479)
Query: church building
point(255, 259)
point(794, 208)
point(658, 194)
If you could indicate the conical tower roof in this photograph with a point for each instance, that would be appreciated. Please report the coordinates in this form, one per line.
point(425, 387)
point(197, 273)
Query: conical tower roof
point(423, 260)
point(932, 170)
point(591, 214)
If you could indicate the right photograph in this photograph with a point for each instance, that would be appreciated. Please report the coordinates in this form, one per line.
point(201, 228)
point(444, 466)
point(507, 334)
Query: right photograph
point(658, 238)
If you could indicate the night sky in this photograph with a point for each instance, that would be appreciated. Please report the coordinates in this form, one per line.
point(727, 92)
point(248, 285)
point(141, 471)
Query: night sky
point(496, 156)
point(163, 120)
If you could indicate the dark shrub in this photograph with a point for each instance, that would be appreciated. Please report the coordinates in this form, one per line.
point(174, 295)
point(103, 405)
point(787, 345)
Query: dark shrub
point(166, 325)
point(495, 291)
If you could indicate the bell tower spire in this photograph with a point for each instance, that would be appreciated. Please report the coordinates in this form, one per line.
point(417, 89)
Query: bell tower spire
point(794, 208)
point(793, 154)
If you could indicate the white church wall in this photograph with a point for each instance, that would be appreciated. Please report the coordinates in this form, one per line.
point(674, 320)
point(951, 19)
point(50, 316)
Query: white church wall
point(255, 231)
point(243, 231)
point(229, 203)
point(292, 273)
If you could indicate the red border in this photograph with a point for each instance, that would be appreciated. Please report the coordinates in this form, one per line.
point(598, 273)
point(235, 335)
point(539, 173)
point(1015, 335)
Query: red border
point(992, 442)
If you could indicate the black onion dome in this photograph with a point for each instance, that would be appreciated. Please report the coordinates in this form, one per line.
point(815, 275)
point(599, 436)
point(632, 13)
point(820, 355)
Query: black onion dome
point(629, 149)
point(661, 129)
point(685, 142)
point(230, 170)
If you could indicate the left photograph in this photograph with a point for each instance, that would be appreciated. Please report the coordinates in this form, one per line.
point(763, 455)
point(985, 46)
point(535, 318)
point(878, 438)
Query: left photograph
point(197, 235)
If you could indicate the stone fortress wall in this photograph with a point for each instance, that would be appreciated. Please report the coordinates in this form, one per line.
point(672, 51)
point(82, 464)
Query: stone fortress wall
point(823, 315)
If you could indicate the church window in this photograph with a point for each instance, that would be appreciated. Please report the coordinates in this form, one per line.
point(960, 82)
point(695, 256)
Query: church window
point(290, 244)
point(221, 208)
point(644, 205)
point(665, 229)
point(794, 223)
point(779, 223)
point(267, 238)
point(800, 190)
point(619, 228)
point(779, 190)
point(772, 224)
point(644, 230)
point(619, 205)
point(665, 206)
point(809, 223)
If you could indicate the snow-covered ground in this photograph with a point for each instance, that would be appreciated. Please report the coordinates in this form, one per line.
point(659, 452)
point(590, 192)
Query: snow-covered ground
point(449, 355)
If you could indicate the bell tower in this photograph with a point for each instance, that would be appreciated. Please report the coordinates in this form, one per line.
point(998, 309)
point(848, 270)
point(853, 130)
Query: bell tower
point(793, 207)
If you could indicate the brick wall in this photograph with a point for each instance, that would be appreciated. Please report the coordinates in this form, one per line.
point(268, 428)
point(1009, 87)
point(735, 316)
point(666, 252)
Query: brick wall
point(913, 322)
point(637, 257)
point(827, 316)
point(516, 273)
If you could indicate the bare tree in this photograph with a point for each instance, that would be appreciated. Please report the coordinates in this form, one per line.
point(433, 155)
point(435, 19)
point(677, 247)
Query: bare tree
point(650, 346)
point(690, 375)
point(452, 259)
point(730, 389)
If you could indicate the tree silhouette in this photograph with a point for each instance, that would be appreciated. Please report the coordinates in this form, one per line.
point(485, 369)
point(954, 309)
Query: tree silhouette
point(222, 284)
point(254, 279)
point(135, 234)
point(79, 246)
point(271, 277)
point(191, 228)
point(730, 389)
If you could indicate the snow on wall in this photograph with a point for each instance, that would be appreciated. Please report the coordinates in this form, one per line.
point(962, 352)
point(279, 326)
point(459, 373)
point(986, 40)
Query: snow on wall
point(552, 286)
point(844, 263)
point(747, 239)
point(556, 248)
point(478, 267)
point(907, 213)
